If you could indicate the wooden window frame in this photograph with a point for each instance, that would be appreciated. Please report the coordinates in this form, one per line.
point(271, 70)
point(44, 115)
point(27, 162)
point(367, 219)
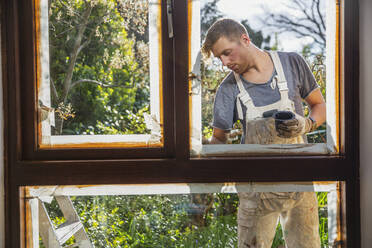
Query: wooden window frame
point(329, 147)
point(27, 166)
point(29, 76)
point(47, 140)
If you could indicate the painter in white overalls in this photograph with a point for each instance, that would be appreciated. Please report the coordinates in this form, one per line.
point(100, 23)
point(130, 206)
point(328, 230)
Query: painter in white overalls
point(259, 213)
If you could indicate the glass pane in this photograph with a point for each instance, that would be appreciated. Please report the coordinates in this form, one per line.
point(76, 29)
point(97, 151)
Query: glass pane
point(99, 72)
point(193, 215)
point(303, 34)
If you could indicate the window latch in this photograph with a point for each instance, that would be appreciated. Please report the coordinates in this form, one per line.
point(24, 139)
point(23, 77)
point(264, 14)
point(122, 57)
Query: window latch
point(170, 18)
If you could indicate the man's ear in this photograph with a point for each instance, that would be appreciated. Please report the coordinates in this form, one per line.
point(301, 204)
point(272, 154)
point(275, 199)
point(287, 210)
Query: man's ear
point(245, 39)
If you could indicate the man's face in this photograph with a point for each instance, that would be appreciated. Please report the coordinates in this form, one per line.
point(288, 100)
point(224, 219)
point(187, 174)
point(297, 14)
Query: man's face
point(232, 53)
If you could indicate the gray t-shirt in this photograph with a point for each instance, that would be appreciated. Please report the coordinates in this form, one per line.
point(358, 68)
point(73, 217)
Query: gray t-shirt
point(300, 80)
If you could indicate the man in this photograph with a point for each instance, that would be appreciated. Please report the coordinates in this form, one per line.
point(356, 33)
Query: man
point(260, 84)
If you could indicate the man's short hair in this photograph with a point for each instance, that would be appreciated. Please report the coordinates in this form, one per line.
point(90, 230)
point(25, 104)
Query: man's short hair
point(225, 27)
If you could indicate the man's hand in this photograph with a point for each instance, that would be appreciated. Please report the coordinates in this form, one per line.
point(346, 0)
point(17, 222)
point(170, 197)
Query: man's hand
point(219, 136)
point(302, 125)
point(295, 127)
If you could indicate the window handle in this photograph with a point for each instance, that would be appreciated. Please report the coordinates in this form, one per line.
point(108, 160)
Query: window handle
point(170, 18)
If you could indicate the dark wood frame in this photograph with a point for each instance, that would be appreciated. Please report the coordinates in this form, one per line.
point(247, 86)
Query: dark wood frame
point(25, 165)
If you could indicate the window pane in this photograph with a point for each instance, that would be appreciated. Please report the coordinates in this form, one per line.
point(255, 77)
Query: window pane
point(99, 72)
point(180, 215)
point(284, 26)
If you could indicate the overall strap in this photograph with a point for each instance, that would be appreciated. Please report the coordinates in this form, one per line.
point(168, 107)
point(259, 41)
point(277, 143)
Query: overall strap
point(282, 82)
point(245, 98)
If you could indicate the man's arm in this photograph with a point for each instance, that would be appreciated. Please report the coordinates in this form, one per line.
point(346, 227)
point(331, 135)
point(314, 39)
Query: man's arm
point(219, 136)
point(317, 106)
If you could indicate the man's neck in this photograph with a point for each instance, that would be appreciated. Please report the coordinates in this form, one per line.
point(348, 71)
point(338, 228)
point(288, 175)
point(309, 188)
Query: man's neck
point(260, 68)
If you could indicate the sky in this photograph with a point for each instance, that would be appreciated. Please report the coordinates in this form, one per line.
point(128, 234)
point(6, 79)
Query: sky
point(253, 10)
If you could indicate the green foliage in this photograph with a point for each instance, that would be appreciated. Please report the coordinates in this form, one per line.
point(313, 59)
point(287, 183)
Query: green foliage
point(151, 221)
point(148, 221)
point(323, 218)
point(318, 68)
point(210, 14)
point(166, 221)
point(278, 238)
point(97, 68)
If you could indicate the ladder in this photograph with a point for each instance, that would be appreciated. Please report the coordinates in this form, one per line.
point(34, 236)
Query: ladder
point(56, 237)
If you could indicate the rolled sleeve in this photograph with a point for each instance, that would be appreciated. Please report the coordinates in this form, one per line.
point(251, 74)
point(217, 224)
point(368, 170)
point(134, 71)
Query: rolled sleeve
point(307, 80)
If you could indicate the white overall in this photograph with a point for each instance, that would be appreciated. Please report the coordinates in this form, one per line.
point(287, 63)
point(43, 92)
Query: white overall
point(258, 213)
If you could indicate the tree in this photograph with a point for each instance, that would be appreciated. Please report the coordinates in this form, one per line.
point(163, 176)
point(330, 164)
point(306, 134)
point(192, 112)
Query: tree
point(257, 37)
point(96, 67)
point(309, 20)
point(209, 14)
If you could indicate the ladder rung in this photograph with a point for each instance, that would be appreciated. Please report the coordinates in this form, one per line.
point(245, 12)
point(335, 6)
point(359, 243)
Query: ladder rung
point(65, 231)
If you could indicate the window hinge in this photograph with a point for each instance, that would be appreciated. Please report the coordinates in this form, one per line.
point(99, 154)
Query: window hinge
point(170, 18)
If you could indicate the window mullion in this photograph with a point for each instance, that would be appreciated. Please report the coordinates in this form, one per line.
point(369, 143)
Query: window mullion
point(181, 62)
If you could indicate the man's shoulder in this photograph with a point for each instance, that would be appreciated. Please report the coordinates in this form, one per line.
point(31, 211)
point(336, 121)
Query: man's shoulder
point(228, 81)
point(227, 86)
point(289, 55)
point(292, 60)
